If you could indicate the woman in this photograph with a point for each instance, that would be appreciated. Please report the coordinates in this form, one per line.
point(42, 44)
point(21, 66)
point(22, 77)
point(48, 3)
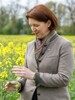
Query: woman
point(49, 60)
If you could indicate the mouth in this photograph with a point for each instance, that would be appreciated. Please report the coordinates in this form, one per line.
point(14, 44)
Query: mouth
point(36, 33)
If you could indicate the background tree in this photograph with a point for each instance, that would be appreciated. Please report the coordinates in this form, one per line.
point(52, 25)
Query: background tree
point(13, 20)
point(70, 5)
point(4, 18)
point(52, 6)
point(69, 28)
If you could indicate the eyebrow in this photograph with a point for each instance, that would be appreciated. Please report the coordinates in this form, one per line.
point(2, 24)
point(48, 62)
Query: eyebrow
point(33, 24)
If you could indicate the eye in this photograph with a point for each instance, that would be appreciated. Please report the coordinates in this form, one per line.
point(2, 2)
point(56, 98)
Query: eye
point(36, 25)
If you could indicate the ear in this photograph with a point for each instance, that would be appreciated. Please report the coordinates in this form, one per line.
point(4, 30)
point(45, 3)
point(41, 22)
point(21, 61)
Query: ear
point(49, 23)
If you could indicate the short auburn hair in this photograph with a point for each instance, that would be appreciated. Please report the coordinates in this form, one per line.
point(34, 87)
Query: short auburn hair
point(43, 14)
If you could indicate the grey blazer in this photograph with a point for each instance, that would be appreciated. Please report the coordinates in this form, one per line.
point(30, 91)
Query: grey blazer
point(55, 70)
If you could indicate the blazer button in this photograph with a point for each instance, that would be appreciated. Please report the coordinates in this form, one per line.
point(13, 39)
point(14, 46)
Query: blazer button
point(38, 94)
point(42, 53)
point(39, 60)
point(37, 69)
point(45, 45)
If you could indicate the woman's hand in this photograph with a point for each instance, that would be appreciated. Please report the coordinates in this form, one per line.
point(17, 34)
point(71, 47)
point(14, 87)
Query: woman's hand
point(10, 86)
point(23, 72)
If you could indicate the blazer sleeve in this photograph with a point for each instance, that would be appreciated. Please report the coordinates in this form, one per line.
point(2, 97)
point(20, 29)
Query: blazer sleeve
point(65, 69)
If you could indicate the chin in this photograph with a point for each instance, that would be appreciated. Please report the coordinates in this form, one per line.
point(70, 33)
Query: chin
point(39, 37)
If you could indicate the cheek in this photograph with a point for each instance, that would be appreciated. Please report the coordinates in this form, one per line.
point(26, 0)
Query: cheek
point(44, 28)
point(41, 28)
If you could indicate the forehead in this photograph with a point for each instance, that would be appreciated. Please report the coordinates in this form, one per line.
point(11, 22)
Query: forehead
point(34, 21)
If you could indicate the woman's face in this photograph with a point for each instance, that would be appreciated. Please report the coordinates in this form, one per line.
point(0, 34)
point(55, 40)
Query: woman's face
point(40, 29)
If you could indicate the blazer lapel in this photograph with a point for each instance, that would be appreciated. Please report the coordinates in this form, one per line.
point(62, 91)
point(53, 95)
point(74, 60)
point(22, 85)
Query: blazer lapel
point(33, 54)
point(49, 39)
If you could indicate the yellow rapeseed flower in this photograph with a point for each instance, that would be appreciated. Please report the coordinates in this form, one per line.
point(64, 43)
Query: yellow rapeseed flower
point(1, 64)
point(1, 45)
point(10, 44)
point(3, 75)
point(20, 61)
point(8, 63)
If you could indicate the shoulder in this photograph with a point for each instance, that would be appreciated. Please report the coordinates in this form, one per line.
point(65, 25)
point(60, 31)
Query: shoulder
point(30, 44)
point(62, 41)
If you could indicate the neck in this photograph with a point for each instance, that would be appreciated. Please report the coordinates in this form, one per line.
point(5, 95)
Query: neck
point(48, 32)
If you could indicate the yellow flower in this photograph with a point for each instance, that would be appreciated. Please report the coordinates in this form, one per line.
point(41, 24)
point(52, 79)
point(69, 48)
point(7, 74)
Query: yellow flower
point(10, 44)
point(3, 75)
point(18, 85)
point(6, 50)
point(20, 61)
point(8, 63)
point(1, 45)
point(1, 64)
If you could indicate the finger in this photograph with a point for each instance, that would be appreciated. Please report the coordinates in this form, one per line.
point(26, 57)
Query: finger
point(7, 84)
point(19, 75)
point(22, 75)
point(15, 66)
point(6, 88)
point(16, 71)
point(19, 70)
point(13, 82)
point(18, 67)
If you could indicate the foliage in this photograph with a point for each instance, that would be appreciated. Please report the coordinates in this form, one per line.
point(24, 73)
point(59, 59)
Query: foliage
point(13, 20)
point(12, 52)
point(67, 30)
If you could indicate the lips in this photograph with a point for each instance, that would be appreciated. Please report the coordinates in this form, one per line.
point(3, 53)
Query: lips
point(35, 33)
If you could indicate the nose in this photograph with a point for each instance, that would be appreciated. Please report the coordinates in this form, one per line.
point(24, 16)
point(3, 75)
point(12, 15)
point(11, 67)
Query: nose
point(33, 28)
